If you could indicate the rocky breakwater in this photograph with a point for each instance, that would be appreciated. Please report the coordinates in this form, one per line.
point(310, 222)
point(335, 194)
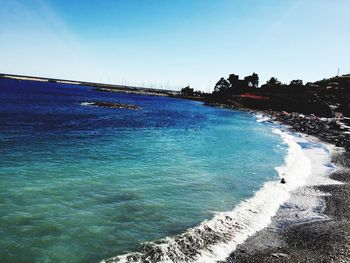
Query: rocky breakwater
point(112, 105)
point(328, 129)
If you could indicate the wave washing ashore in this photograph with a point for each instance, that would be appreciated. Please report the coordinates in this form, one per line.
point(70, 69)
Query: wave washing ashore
point(83, 182)
point(306, 163)
point(172, 168)
point(313, 225)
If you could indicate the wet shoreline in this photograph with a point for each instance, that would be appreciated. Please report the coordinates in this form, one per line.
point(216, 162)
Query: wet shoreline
point(326, 239)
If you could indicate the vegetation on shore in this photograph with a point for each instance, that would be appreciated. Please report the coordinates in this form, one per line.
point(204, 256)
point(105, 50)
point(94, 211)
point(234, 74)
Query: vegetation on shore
point(325, 98)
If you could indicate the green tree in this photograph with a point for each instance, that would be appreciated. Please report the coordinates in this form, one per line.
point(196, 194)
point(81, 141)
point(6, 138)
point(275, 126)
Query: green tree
point(252, 80)
point(233, 80)
point(187, 91)
point(296, 82)
point(222, 85)
point(273, 81)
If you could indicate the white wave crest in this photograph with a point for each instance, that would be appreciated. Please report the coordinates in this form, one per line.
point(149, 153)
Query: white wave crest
point(216, 238)
point(262, 118)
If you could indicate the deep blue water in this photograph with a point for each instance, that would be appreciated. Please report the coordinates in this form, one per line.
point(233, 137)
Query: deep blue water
point(81, 183)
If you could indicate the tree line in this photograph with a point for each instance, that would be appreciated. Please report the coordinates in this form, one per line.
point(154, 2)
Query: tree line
point(233, 85)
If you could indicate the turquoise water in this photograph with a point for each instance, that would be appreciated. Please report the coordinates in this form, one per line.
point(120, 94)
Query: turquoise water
point(81, 183)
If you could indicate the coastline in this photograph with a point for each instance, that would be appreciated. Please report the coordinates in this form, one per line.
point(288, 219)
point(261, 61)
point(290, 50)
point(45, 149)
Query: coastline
point(323, 237)
point(290, 237)
point(322, 234)
point(215, 239)
point(287, 235)
point(322, 240)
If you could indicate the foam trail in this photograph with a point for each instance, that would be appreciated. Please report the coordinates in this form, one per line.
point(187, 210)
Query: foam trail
point(216, 238)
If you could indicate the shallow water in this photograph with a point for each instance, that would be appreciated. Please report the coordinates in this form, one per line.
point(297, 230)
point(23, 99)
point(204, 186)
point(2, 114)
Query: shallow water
point(81, 183)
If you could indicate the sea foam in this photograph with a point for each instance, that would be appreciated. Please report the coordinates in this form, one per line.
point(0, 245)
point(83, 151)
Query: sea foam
point(262, 118)
point(215, 239)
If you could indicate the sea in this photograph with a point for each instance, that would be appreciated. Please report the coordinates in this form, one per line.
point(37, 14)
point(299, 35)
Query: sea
point(174, 181)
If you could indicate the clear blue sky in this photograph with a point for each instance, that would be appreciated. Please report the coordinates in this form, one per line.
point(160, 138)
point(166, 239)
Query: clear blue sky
point(171, 43)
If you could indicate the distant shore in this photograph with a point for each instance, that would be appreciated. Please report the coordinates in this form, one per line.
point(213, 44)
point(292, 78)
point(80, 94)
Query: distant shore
point(97, 86)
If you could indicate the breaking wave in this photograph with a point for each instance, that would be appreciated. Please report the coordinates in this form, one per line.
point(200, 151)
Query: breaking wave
point(215, 239)
point(262, 118)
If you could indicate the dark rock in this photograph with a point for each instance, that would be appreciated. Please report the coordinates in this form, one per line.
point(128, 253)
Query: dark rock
point(113, 105)
point(279, 255)
point(325, 129)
